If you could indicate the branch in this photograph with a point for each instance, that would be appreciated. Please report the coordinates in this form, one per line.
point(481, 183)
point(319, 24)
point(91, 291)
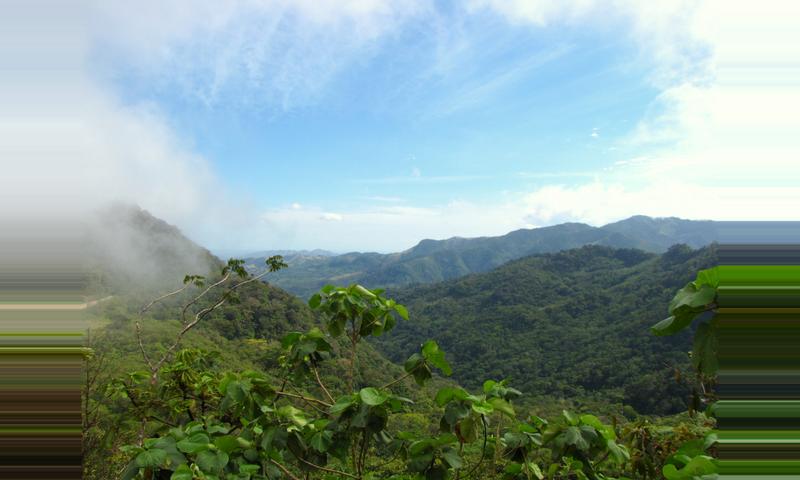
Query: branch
point(284, 470)
point(398, 380)
point(141, 346)
point(202, 313)
point(301, 397)
point(162, 297)
point(483, 450)
point(141, 314)
point(322, 385)
point(329, 470)
point(202, 294)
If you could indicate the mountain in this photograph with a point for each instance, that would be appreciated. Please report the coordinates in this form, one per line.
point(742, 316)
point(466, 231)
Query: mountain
point(317, 252)
point(128, 249)
point(573, 324)
point(135, 257)
point(437, 260)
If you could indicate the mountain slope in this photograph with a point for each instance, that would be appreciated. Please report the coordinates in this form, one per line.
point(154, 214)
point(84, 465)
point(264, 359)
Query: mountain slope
point(128, 249)
point(437, 260)
point(570, 324)
point(136, 257)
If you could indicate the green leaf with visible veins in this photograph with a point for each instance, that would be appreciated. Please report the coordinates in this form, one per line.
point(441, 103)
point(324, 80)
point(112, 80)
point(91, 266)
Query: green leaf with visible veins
point(151, 458)
point(372, 396)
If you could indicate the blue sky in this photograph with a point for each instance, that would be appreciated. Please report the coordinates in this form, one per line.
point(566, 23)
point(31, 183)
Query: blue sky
point(371, 124)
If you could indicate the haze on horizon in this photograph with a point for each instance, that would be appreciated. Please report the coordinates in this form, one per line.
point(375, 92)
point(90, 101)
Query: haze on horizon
point(371, 124)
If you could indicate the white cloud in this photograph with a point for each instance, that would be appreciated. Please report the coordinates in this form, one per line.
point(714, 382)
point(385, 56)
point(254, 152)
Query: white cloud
point(721, 140)
point(72, 146)
point(721, 137)
point(274, 54)
point(331, 217)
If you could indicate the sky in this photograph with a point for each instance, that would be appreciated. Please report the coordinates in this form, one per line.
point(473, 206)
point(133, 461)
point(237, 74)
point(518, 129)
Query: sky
point(371, 124)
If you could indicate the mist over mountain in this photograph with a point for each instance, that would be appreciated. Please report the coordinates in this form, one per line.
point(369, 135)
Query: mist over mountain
point(437, 260)
point(128, 248)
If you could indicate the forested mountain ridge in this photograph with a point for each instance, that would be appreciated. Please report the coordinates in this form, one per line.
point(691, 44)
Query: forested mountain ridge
point(568, 324)
point(437, 260)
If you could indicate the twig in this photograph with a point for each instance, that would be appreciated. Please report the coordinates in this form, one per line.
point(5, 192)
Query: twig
point(301, 397)
point(141, 345)
point(199, 316)
point(483, 449)
point(398, 380)
point(202, 294)
point(322, 385)
point(162, 297)
point(284, 470)
point(310, 402)
point(324, 469)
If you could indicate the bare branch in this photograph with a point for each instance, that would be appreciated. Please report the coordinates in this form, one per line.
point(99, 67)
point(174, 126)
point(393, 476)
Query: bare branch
point(322, 385)
point(141, 345)
point(324, 469)
point(284, 470)
point(200, 315)
point(202, 294)
point(162, 297)
point(301, 397)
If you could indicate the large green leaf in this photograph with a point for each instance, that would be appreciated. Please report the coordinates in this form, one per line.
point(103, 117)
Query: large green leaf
point(151, 458)
point(212, 461)
point(195, 443)
point(182, 473)
point(227, 443)
point(447, 394)
point(698, 466)
point(372, 396)
point(673, 324)
point(704, 349)
point(502, 406)
point(452, 458)
point(435, 356)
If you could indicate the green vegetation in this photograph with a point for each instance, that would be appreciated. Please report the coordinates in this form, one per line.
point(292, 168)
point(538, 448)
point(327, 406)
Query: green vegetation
point(223, 376)
point(190, 417)
point(437, 260)
point(570, 325)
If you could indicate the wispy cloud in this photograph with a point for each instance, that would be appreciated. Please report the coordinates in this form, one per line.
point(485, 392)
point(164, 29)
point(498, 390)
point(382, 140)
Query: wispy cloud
point(382, 199)
point(482, 90)
point(268, 54)
point(423, 179)
point(556, 174)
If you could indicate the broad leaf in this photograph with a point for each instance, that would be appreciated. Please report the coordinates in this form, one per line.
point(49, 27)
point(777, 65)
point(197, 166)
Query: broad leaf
point(372, 396)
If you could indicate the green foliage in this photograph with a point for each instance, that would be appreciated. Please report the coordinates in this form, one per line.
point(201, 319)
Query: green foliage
point(571, 325)
point(206, 421)
point(690, 301)
point(322, 404)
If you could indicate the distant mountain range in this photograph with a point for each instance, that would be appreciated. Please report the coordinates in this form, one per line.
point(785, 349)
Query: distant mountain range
point(572, 324)
point(437, 260)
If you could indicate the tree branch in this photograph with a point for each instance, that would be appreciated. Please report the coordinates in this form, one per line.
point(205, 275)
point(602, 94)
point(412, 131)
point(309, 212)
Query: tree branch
point(398, 380)
point(199, 315)
point(202, 294)
point(301, 397)
point(483, 450)
point(324, 469)
point(322, 385)
point(284, 470)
